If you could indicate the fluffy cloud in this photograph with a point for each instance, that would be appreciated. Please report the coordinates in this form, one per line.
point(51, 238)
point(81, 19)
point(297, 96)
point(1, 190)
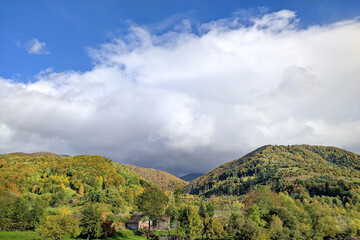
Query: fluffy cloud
point(183, 101)
point(34, 46)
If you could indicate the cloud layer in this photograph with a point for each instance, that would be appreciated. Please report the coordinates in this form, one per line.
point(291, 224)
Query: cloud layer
point(183, 101)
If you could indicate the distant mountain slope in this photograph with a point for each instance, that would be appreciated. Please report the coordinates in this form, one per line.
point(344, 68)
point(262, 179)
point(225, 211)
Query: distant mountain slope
point(191, 176)
point(36, 154)
point(48, 173)
point(161, 179)
point(270, 164)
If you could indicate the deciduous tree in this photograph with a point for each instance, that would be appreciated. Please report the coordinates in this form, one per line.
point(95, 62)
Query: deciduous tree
point(152, 202)
point(91, 221)
point(58, 226)
point(190, 222)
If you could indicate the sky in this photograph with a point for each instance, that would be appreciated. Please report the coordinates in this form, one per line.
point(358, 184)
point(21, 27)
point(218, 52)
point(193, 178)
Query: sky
point(181, 86)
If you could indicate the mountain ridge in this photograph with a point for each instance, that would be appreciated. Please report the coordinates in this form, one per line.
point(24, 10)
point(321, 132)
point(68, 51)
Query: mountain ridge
point(162, 179)
point(191, 176)
point(35, 154)
point(269, 162)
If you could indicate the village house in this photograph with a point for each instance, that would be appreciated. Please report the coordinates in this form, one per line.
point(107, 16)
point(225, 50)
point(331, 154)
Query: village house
point(138, 221)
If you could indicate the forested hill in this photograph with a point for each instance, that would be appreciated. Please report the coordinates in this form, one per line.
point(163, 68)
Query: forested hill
point(191, 176)
point(36, 154)
point(161, 179)
point(281, 167)
point(59, 178)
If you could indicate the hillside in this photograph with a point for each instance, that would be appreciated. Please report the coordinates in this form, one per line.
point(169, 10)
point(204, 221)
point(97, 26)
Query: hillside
point(282, 168)
point(163, 180)
point(58, 178)
point(191, 176)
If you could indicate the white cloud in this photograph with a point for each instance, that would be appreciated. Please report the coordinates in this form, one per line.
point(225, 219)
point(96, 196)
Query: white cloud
point(34, 46)
point(186, 102)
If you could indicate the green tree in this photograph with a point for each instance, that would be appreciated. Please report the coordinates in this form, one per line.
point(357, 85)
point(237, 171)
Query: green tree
point(250, 231)
point(36, 213)
point(152, 202)
point(213, 228)
point(177, 195)
point(19, 213)
point(210, 209)
point(263, 198)
point(7, 209)
point(290, 222)
point(172, 212)
point(234, 224)
point(58, 198)
point(202, 210)
point(91, 221)
point(323, 222)
point(111, 195)
point(254, 214)
point(58, 226)
point(275, 227)
point(190, 222)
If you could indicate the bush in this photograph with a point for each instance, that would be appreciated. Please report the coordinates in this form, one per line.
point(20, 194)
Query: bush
point(139, 232)
point(60, 225)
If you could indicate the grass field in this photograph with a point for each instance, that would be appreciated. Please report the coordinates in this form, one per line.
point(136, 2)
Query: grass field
point(19, 235)
point(164, 233)
point(119, 235)
point(302, 177)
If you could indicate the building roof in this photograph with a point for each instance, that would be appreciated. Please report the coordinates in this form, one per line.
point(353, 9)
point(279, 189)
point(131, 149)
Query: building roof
point(136, 217)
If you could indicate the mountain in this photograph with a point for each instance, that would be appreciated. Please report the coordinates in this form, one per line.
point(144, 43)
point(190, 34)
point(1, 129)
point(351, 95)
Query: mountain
point(191, 176)
point(36, 154)
point(282, 168)
point(58, 178)
point(163, 180)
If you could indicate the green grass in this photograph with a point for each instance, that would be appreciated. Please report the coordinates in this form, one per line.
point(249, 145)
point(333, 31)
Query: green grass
point(164, 233)
point(119, 235)
point(126, 235)
point(19, 235)
point(24, 236)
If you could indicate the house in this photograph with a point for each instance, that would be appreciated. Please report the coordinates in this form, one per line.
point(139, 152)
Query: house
point(138, 221)
point(162, 224)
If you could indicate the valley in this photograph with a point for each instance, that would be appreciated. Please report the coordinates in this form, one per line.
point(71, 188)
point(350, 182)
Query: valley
point(274, 192)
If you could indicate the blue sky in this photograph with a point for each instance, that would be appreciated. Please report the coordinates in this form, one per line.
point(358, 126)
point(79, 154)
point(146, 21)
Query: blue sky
point(68, 28)
point(182, 86)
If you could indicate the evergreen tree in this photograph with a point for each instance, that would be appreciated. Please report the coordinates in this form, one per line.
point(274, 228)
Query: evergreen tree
point(202, 210)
